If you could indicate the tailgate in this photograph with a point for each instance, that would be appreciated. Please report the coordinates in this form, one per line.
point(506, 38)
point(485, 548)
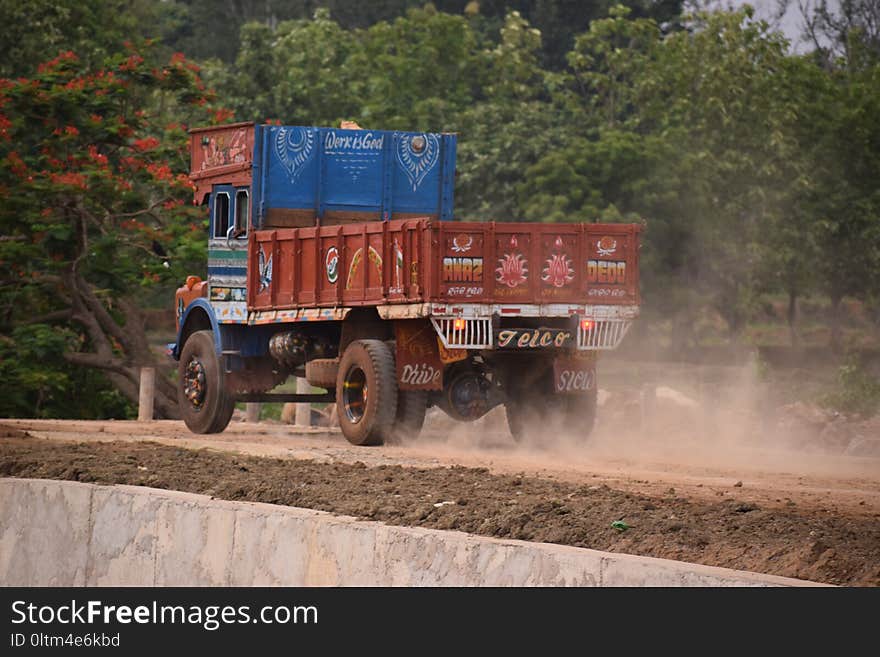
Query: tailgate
point(521, 263)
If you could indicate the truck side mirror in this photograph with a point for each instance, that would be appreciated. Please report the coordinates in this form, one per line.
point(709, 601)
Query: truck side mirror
point(232, 233)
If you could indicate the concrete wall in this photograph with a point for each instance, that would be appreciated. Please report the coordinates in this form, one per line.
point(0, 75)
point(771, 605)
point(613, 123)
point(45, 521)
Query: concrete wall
point(55, 533)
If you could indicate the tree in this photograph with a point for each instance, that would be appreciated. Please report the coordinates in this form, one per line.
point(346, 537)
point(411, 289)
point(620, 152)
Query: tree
point(417, 72)
point(93, 177)
point(297, 72)
point(32, 30)
point(844, 197)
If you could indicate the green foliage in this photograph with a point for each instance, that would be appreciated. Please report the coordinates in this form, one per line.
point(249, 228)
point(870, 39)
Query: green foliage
point(93, 170)
point(858, 391)
point(38, 382)
point(97, 207)
point(95, 29)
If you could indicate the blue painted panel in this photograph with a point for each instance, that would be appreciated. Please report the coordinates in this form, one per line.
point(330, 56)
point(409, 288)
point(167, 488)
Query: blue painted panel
point(377, 171)
point(249, 340)
point(227, 271)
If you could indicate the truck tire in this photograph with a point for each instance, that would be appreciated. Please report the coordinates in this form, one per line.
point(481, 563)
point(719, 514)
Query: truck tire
point(411, 408)
point(205, 404)
point(321, 372)
point(540, 412)
point(366, 392)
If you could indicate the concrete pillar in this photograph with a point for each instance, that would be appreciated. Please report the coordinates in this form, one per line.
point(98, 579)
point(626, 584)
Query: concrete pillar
point(303, 411)
point(252, 411)
point(146, 394)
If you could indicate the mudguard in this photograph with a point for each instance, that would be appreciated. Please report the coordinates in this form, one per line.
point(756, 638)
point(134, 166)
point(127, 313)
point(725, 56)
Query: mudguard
point(203, 304)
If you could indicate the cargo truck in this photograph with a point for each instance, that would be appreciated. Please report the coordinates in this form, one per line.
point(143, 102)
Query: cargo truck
point(333, 254)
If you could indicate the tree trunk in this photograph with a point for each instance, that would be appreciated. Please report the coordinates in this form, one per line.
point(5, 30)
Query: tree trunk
point(791, 316)
point(119, 351)
point(836, 298)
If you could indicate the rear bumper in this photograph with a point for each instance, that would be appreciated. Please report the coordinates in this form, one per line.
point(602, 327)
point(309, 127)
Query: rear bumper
point(587, 311)
point(471, 326)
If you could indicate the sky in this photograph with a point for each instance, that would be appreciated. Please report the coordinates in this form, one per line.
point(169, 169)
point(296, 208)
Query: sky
point(791, 23)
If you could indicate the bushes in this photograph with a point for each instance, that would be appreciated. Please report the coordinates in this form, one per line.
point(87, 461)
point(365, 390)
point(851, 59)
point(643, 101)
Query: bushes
point(858, 390)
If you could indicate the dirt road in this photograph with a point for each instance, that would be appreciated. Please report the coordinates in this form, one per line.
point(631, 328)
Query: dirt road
point(740, 505)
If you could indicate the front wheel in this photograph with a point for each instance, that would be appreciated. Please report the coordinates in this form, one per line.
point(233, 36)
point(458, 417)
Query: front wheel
point(205, 405)
point(366, 392)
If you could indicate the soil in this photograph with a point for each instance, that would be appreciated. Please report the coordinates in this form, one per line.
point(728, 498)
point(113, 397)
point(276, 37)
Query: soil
point(819, 521)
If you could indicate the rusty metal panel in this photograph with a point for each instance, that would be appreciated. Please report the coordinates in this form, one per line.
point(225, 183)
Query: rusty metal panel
point(535, 263)
point(462, 265)
point(559, 265)
point(419, 260)
point(612, 263)
point(419, 366)
point(221, 154)
point(573, 375)
point(512, 272)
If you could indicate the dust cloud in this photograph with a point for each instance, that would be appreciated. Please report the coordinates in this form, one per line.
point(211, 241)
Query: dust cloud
point(678, 417)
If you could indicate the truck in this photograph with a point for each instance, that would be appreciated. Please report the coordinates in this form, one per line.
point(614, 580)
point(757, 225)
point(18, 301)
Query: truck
point(334, 255)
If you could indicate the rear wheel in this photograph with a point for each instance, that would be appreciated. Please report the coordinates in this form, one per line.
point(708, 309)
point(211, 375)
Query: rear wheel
point(366, 392)
point(205, 404)
point(540, 413)
point(411, 408)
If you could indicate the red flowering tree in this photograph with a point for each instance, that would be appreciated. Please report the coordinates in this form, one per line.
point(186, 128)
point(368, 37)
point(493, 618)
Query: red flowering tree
point(96, 210)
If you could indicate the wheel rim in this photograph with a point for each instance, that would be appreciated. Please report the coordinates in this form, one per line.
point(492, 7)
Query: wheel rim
point(194, 383)
point(355, 394)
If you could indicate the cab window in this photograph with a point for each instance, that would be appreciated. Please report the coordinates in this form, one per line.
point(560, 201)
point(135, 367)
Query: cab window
point(242, 208)
point(221, 214)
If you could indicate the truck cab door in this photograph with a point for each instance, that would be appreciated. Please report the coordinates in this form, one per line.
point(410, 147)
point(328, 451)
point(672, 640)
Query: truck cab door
point(240, 218)
point(229, 209)
point(220, 208)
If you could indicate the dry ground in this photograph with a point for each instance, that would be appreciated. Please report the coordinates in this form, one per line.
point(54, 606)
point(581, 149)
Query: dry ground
point(707, 496)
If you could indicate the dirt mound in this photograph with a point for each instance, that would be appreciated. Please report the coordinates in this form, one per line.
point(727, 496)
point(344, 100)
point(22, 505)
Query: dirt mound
point(789, 540)
point(7, 431)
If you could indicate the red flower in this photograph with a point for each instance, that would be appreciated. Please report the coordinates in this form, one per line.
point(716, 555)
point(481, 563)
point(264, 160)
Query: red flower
point(146, 144)
point(97, 156)
point(132, 163)
point(221, 115)
point(160, 171)
point(17, 165)
point(68, 55)
point(71, 130)
point(74, 179)
point(131, 63)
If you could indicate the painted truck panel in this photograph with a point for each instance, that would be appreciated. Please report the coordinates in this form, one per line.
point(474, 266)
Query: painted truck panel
point(422, 260)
